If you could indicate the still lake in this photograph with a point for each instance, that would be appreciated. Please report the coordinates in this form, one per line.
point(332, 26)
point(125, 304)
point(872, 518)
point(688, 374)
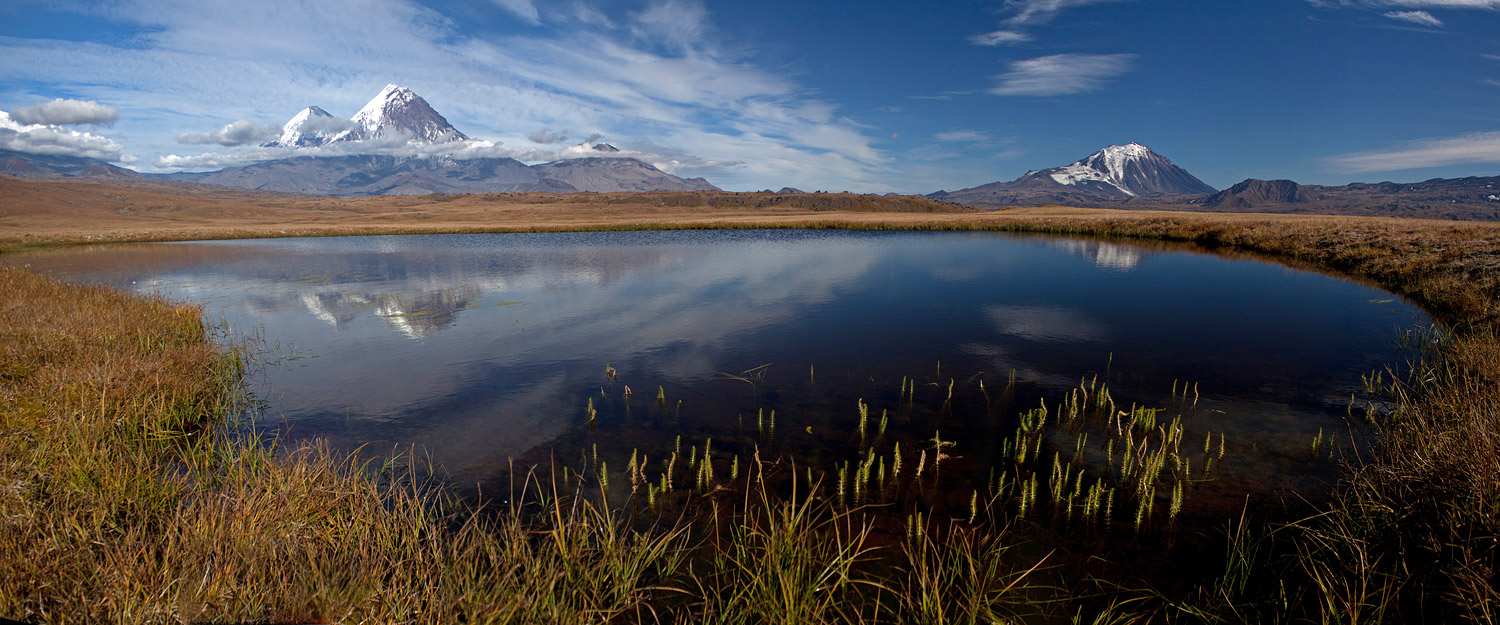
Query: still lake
point(484, 349)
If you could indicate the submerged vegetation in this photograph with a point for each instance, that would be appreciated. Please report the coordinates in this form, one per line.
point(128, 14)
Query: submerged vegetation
point(129, 495)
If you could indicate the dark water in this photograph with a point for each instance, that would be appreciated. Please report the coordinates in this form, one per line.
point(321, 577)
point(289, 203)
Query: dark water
point(483, 348)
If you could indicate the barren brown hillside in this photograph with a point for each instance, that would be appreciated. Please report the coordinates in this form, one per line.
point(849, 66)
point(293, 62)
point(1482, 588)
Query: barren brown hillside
point(54, 211)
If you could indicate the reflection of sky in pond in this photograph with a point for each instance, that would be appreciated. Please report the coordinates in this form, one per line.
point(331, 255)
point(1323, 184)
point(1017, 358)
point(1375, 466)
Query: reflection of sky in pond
point(478, 347)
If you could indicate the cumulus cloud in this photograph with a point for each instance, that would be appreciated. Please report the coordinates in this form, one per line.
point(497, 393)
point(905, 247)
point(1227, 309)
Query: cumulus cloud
point(1479, 147)
point(66, 112)
point(999, 38)
point(1061, 74)
point(545, 136)
point(1420, 18)
point(55, 140)
point(232, 134)
point(971, 136)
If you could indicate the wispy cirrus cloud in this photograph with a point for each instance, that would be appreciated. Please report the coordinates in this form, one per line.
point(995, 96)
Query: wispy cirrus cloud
point(1022, 13)
point(523, 9)
point(1416, 10)
point(1420, 18)
point(1032, 11)
point(1492, 5)
point(964, 135)
point(1061, 74)
point(999, 38)
point(653, 73)
point(1473, 148)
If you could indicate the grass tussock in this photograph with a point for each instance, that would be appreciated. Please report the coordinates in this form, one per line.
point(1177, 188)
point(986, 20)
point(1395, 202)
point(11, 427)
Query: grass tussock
point(128, 499)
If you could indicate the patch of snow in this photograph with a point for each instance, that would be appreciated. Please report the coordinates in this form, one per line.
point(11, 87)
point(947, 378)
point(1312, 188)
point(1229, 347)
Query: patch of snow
point(1079, 173)
point(292, 133)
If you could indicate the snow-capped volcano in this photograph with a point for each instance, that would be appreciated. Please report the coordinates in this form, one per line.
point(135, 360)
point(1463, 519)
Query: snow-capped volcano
point(1114, 174)
point(310, 127)
point(399, 111)
point(1132, 169)
point(395, 112)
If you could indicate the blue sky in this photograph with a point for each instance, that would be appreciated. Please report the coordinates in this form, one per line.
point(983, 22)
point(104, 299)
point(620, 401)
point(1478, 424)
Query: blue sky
point(860, 96)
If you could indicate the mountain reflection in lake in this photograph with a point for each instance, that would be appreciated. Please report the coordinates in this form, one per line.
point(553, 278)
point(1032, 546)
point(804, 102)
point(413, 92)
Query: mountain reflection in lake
point(480, 348)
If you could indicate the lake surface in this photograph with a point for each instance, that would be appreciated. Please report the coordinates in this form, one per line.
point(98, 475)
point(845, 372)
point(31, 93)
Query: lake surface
point(481, 349)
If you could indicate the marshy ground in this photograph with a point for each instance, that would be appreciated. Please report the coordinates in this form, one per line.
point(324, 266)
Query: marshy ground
point(128, 496)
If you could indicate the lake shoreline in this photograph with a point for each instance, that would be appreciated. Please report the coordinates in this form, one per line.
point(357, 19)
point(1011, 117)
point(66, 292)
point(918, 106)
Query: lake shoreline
point(1422, 507)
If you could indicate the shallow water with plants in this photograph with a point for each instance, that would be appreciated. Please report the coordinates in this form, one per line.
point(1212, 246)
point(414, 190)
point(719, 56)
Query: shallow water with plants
point(1095, 384)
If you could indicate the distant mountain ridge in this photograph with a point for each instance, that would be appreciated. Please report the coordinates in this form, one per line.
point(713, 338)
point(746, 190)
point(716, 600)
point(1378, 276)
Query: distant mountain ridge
point(27, 165)
point(1113, 174)
point(1472, 198)
point(397, 113)
point(1252, 193)
point(391, 175)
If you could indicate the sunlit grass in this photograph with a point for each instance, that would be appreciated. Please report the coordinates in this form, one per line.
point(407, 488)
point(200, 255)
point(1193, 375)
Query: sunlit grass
point(126, 499)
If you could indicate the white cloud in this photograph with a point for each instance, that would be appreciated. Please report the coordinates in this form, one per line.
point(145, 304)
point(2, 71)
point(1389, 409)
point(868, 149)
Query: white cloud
point(1046, 324)
point(1028, 11)
point(1479, 147)
point(1491, 5)
point(676, 23)
point(55, 140)
point(523, 9)
point(1420, 18)
point(66, 112)
point(999, 38)
point(234, 133)
point(972, 136)
point(667, 159)
point(653, 76)
point(1061, 74)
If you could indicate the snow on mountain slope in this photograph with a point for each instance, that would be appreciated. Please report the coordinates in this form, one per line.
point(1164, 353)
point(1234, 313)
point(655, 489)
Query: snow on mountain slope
point(1114, 174)
point(399, 111)
point(1131, 169)
point(310, 127)
point(1078, 173)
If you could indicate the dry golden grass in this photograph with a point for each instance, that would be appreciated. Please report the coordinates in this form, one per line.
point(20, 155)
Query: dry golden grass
point(124, 500)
